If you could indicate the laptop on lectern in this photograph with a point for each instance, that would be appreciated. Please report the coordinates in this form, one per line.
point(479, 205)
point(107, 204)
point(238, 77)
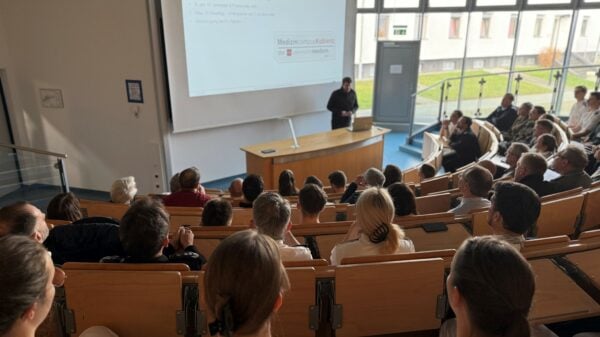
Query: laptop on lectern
point(361, 124)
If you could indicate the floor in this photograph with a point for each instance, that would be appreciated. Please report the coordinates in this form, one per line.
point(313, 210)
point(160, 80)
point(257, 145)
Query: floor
point(40, 194)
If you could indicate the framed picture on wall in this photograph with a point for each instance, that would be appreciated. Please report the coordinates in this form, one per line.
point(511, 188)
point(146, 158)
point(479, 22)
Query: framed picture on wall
point(134, 91)
point(51, 98)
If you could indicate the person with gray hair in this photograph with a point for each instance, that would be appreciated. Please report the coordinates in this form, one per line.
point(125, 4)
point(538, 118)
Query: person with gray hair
point(522, 127)
point(372, 177)
point(123, 190)
point(570, 163)
point(271, 215)
point(514, 152)
point(475, 185)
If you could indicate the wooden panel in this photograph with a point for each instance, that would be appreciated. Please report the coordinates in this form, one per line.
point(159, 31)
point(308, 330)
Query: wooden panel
point(445, 254)
point(241, 217)
point(591, 216)
point(558, 217)
point(480, 224)
point(292, 320)
point(433, 203)
point(411, 175)
point(100, 208)
point(589, 263)
point(557, 298)
point(402, 301)
point(131, 303)
point(326, 244)
point(435, 184)
point(450, 239)
point(353, 162)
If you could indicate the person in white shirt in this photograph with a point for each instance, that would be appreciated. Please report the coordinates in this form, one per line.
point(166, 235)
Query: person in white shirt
point(272, 217)
point(373, 232)
point(449, 125)
point(591, 118)
point(578, 109)
point(475, 185)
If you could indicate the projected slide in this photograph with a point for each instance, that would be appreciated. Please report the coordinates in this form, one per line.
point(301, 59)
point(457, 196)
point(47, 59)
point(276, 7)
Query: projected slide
point(247, 45)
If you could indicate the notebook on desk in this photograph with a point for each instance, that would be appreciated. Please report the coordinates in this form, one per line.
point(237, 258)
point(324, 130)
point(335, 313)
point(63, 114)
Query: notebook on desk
point(361, 124)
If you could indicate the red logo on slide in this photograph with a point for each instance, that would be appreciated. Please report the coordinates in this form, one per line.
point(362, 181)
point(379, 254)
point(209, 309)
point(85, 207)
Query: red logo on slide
point(288, 52)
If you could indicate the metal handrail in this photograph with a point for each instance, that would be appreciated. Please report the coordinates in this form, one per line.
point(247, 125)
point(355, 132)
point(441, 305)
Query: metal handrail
point(29, 149)
point(411, 135)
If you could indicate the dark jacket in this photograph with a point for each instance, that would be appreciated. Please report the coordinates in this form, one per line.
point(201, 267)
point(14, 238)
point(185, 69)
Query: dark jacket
point(350, 195)
point(571, 181)
point(83, 242)
point(189, 256)
point(466, 146)
point(341, 101)
point(537, 183)
point(503, 119)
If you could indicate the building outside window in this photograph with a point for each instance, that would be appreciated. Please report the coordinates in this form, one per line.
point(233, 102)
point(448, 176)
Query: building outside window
point(584, 25)
point(454, 32)
point(512, 26)
point(539, 22)
point(486, 21)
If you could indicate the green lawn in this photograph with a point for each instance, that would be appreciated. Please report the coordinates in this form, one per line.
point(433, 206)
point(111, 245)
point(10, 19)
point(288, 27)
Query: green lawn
point(573, 80)
point(495, 86)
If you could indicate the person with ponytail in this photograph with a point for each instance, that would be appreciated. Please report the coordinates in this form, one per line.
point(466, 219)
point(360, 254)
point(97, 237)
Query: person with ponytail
point(244, 308)
point(490, 289)
point(373, 232)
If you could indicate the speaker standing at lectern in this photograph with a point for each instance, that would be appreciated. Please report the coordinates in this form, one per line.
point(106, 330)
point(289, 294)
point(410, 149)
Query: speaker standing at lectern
point(342, 104)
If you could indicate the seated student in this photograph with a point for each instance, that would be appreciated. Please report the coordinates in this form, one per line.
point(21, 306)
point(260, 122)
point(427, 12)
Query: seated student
point(64, 206)
point(22, 218)
point(217, 212)
point(475, 185)
point(392, 174)
point(490, 289)
point(570, 164)
point(514, 152)
point(530, 172)
point(27, 276)
point(271, 216)
point(522, 127)
point(514, 211)
point(541, 127)
point(373, 232)
point(546, 145)
point(371, 178)
point(449, 125)
point(123, 190)
point(235, 188)
point(244, 308)
point(337, 181)
point(578, 109)
point(591, 118)
point(174, 183)
point(489, 165)
point(311, 201)
point(426, 171)
point(191, 193)
point(287, 183)
point(252, 187)
point(404, 199)
point(313, 180)
point(464, 145)
point(505, 114)
point(144, 234)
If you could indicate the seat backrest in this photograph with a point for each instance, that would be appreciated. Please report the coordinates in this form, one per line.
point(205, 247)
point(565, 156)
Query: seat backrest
point(206, 239)
point(101, 208)
point(590, 238)
point(404, 300)
point(326, 235)
point(591, 216)
point(480, 224)
point(445, 254)
point(436, 184)
point(545, 246)
point(176, 210)
point(411, 221)
point(293, 319)
point(433, 203)
point(559, 217)
point(242, 217)
point(176, 221)
point(451, 238)
point(411, 175)
point(563, 194)
point(129, 302)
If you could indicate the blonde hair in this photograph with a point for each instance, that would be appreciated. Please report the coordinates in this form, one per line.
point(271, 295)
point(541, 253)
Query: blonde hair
point(244, 307)
point(374, 215)
point(123, 190)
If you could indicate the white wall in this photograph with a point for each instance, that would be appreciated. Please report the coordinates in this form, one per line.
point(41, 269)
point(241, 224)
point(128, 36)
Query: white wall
point(87, 49)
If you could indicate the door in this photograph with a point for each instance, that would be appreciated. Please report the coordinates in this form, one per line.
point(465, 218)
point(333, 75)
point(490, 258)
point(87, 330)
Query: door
point(396, 76)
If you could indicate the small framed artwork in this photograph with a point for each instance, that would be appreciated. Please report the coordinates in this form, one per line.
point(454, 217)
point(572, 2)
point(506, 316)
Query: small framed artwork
point(52, 98)
point(134, 91)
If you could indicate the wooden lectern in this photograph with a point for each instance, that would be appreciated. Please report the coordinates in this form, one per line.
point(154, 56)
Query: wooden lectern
point(319, 154)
